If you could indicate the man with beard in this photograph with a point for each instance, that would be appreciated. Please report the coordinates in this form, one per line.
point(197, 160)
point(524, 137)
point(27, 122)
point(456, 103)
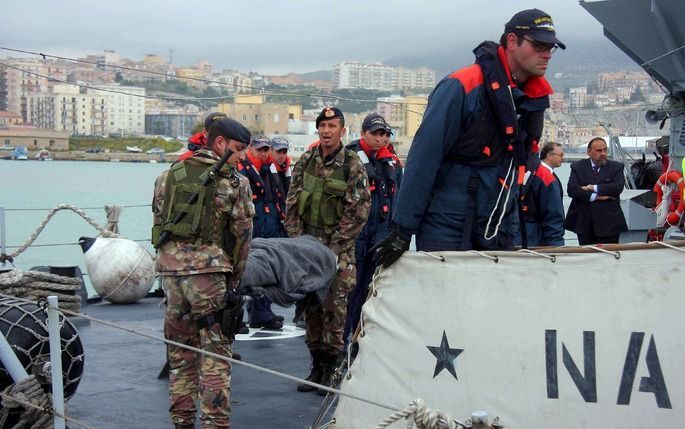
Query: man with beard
point(595, 186)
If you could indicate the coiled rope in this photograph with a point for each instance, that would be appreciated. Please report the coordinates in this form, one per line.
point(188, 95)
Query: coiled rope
point(422, 417)
point(27, 394)
point(34, 285)
point(113, 213)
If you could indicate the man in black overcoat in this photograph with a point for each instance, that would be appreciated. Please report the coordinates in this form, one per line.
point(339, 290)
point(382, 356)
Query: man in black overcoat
point(595, 186)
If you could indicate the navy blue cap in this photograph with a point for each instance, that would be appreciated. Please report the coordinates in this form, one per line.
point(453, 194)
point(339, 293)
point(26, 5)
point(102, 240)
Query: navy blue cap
point(374, 122)
point(330, 113)
point(209, 120)
point(279, 143)
point(536, 24)
point(260, 141)
point(232, 129)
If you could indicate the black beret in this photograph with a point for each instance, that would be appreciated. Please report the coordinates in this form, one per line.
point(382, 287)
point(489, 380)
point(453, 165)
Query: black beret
point(232, 129)
point(209, 120)
point(330, 113)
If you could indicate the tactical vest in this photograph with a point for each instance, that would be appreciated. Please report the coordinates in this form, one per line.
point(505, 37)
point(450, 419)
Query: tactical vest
point(202, 222)
point(320, 204)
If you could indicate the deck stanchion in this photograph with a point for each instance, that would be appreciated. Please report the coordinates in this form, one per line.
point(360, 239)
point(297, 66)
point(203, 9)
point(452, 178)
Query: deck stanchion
point(56, 361)
point(2, 236)
point(11, 361)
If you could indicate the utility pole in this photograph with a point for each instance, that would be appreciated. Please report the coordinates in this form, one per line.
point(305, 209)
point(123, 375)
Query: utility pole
point(171, 57)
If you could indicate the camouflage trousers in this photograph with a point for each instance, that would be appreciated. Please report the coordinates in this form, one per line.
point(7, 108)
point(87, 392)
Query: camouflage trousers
point(324, 323)
point(193, 375)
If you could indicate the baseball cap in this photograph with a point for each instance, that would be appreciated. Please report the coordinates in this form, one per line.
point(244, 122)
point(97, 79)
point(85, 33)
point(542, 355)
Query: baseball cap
point(279, 143)
point(259, 142)
point(536, 24)
point(330, 113)
point(232, 129)
point(213, 117)
point(374, 122)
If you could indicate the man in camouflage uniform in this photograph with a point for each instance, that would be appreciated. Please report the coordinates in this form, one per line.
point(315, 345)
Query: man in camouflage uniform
point(329, 199)
point(202, 261)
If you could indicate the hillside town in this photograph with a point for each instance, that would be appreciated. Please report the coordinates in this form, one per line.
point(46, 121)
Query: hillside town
point(45, 100)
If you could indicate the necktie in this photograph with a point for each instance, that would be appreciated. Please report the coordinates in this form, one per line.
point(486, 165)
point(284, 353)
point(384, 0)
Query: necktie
point(595, 168)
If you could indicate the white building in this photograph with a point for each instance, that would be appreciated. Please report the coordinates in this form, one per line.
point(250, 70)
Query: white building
point(125, 108)
point(349, 75)
point(381, 77)
point(577, 98)
point(65, 109)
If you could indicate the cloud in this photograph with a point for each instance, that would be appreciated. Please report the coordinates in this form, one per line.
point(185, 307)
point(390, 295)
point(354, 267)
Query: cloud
point(268, 35)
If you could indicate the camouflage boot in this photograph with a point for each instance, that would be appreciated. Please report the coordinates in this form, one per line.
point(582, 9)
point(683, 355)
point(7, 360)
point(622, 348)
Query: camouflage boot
point(316, 371)
point(331, 364)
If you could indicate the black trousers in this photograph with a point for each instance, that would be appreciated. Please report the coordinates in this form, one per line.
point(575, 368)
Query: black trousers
point(591, 238)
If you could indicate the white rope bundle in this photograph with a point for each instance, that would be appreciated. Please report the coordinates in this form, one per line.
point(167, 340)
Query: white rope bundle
point(423, 418)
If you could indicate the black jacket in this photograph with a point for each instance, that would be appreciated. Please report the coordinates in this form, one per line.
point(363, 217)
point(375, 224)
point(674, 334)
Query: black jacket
point(603, 218)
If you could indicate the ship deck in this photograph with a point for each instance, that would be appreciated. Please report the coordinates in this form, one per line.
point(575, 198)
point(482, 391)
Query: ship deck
point(120, 386)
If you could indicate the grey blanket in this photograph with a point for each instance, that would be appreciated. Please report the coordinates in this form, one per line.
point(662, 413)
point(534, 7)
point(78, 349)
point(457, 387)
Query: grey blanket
point(288, 269)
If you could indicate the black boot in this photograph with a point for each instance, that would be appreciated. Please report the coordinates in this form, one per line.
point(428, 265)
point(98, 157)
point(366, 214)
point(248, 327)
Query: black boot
point(178, 426)
point(331, 364)
point(316, 371)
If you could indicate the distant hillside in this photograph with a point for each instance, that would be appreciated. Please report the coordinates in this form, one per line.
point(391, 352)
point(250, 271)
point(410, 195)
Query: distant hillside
point(317, 75)
point(578, 64)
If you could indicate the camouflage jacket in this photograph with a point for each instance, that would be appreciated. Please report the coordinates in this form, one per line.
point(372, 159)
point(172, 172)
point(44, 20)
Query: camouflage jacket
point(231, 200)
point(356, 202)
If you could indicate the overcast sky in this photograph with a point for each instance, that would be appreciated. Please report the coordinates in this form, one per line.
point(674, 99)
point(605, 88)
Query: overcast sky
point(270, 36)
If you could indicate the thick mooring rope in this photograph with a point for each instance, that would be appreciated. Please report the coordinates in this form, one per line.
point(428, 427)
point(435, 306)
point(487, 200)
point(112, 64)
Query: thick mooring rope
point(37, 416)
point(34, 285)
point(113, 213)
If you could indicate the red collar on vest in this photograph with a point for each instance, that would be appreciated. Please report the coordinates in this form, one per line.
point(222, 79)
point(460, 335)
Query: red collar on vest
point(282, 168)
point(534, 87)
point(381, 153)
point(256, 162)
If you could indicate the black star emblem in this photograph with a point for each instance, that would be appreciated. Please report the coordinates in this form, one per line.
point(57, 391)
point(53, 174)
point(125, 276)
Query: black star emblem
point(445, 357)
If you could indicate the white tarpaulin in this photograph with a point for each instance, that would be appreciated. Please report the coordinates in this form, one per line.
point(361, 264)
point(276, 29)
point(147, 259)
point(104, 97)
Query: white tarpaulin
point(587, 341)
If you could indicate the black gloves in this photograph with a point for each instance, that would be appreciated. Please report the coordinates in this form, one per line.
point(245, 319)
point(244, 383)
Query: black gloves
point(389, 250)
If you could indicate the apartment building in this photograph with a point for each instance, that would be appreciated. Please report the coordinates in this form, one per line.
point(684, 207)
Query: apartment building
point(259, 116)
point(403, 114)
point(25, 77)
point(65, 109)
point(172, 123)
point(577, 98)
point(125, 106)
point(352, 75)
point(406, 78)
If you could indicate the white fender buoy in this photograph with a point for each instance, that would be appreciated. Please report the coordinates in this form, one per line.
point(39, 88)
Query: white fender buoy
point(120, 270)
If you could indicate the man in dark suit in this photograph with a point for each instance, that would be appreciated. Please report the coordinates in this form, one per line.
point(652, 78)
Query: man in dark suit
point(595, 185)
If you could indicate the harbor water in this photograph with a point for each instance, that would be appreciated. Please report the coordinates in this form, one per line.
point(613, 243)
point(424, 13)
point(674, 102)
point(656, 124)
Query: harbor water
point(29, 189)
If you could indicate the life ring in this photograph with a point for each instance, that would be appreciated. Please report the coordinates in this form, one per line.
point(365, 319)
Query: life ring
point(676, 178)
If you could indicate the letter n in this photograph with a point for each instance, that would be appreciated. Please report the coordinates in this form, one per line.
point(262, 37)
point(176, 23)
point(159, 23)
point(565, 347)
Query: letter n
point(587, 383)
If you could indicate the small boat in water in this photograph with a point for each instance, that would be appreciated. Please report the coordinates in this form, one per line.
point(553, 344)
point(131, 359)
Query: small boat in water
point(6, 152)
point(20, 153)
point(133, 149)
point(44, 155)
